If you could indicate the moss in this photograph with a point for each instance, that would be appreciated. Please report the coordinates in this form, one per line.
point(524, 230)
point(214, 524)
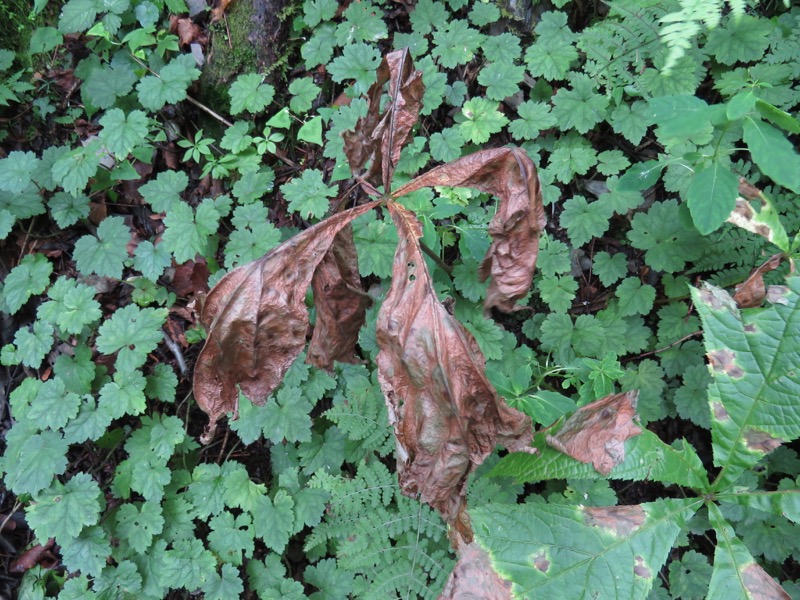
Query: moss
point(229, 56)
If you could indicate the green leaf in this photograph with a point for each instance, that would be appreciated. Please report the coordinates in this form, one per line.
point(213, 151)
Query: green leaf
point(501, 79)
point(241, 491)
point(455, 43)
point(691, 399)
point(311, 131)
point(44, 39)
point(482, 120)
point(376, 241)
point(712, 197)
point(161, 384)
point(553, 51)
point(29, 278)
point(188, 232)
point(16, 171)
point(62, 511)
point(583, 220)
point(121, 132)
point(635, 298)
point(138, 523)
point(72, 306)
point(577, 551)
point(558, 292)
point(612, 162)
point(124, 395)
point(224, 586)
point(610, 268)
point(105, 254)
point(151, 260)
point(253, 185)
point(688, 576)
point(88, 552)
point(77, 16)
point(164, 192)
point(631, 120)
point(250, 93)
point(304, 91)
point(288, 417)
point(73, 169)
point(308, 194)
point(318, 50)
point(274, 519)
point(742, 39)
point(53, 407)
point(332, 581)
point(231, 539)
point(317, 11)
point(105, 84)
point(32, 345)
point(779, 117)
point(668, 242)
point(736, 574)
point(504, 46)
point(358, 62)
point(133, 331)
point(640, 176)
point(170, 85)
point(648, 378)
point(783, 503)
point(68, 209)
point(773, 153)
point(189, 565)
point(31, 465)
point(581, 107)
point(753, 361)
point(483, 14)
point(6, 223)
point(428, 15)
point(445, 145)
point(533, 117)
point(573, 155)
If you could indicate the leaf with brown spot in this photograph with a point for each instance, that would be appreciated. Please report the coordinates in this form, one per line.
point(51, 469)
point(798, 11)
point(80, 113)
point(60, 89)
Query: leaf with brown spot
point(446, 415)
point(509, 174)
point(724, 361)
point(380, 137)
point(622, 521)
point(752, 292)
point(760, 441)
point(596, 433)
point(763, 221)
point(257, 321)
point(340, 302)
point(473, 577)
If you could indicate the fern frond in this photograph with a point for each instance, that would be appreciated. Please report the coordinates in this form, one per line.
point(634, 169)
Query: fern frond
point(682, 27)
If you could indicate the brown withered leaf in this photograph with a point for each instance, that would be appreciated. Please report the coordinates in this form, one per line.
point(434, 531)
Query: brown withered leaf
point(341, 304)
point(380, 136)
point(473, 577)
point(596, 433)
point(257, 321)
point(509, 174)
point(752, 292)
point(186, 30)
point(219, 10)
point(447, 417)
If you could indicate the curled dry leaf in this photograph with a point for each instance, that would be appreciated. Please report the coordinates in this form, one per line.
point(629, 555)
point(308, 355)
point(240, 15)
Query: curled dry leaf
point(220, 6)
point(752, 292)
point(509, 174)
point(446, 415)
point(257, 321)
point(186, 30)
point(473, 577)
point(379, 137)
point(596, 433)
point(341, 304)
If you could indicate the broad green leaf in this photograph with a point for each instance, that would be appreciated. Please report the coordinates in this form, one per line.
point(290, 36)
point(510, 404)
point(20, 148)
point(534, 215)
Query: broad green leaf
point(358, 63)
point(121, 132)
point(68, 209)
point(72, 306)
point(646, 458)
point(30, 277)
point(188, 564)
point(287, 417)
point(30, 466)
point(311, 131)
point(784, 503)
point(455, 43)
point(583, 220)
point(742, 39)
point(682, 116)
point(501, 79)
point(170, 85)
point(132, 330)
point(105, 84)
point(44, 39)
point(273, 520)
point(254, 185)
point(753, 359)
point(88, 552)
point(62, 511)
point(363, 23)
point(779, 117)
point(104, 255)
point(712, 196)
point(250, 93)
point(240, 490)
point(124, 395)
point(304, 91)
point(446, 145)
point(482, 119)
point(581, 107)
point(376, 241)
point(558, 292)
point(231, 538)
point(504, 46)
point(773, 153)
point(533, 118)
point(668, 242)
point(74, 168)
point(138, 523)
point(308, 194)
point(32, 344)
point(77, 16)
point(318, 50)
point(317, 11)
point(16, 171)
point(53, 406)
point(736, 574)
point(688, 577)
point(228, 584)
point(428, 15)
point(634, 297)
point(188, 232)
point(164, 192)
point(556, 551)
point(631, 120)
point(610, 268)
point(151, 260)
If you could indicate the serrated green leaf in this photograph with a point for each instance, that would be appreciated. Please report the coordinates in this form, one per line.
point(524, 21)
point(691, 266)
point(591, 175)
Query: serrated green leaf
point(132, 331)
point(584, 220)
point(688, 576)
point(16, 171)
point(635, 298)
point(534, 117)
point(104, 255)
point(170, 85)
point(68, 209)
point(161, 384)
point(121, 132)
point(88, 552)
point(72, 306)
point(241, 491)
point(31, 466)
point(558, 292)
point(273, 520)
point(317, 11)
point(631, 120)
point(62, 511)
point(482, 119)
point(773, 153)
point(573, 155)
point(250, 93)
point(77, 16)
point(32, 345)
point(308, 194)
point(575, 551)
point(189, 565)
point(73, 169)
point(231, 538)
point(331, 581)
point(783, 503)
point(501, 79)
point(753, 364)
point(455, 43)
point(712, 197)
point(106, 83)
point(669, 244)
point(28, 278)
point(138, 523)
point(188, 232)
point(359, 63)
point(287, 417)
point(164, 192)
point(581, 107)
point(610, 268)
point(318, 50)
point(226, 585)
point(376, 241)
point(53, 406)
point(741, 39)
point(445, 145)
point(736, 574)
point(428, 15)
point(151, 260)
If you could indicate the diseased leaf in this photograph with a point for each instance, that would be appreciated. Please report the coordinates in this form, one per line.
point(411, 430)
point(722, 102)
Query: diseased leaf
point(596, 433)
point(340, 302)
point(736, 574)
point(473, 577)
point(752, 292)
point(446, 415)
point(509, 174)
point(379, 137)
point(257, 321)
point(764, 222)
point(753, 357)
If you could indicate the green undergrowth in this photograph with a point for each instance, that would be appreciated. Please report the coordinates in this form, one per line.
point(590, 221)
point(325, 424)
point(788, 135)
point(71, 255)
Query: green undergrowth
point(121, 201)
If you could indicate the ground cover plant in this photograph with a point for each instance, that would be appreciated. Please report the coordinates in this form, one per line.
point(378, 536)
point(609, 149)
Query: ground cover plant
point(392, 181)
